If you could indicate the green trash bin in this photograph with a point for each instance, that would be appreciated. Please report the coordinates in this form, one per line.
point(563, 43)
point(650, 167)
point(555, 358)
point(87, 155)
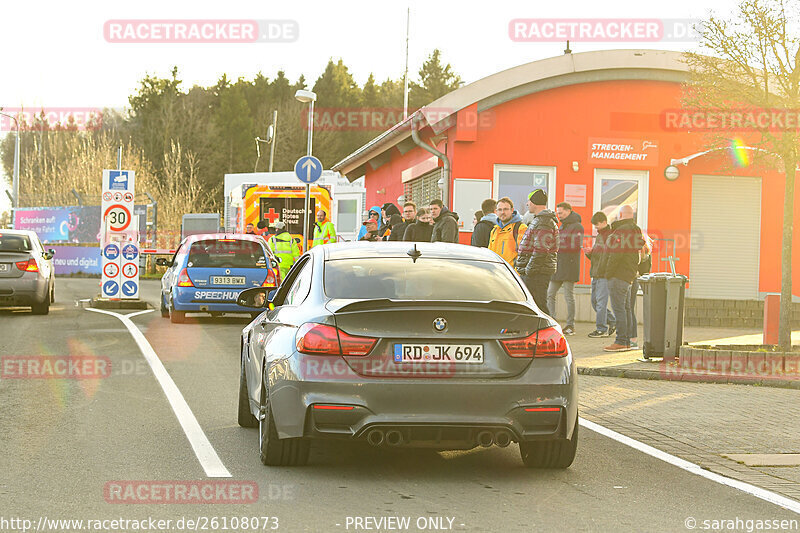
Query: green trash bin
point(664, 295)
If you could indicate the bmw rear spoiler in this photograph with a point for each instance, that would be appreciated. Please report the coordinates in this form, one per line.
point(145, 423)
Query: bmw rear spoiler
point(341, 305)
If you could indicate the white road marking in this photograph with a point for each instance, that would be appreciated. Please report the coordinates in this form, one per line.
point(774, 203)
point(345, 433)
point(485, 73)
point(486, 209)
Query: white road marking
point(203, 449)
point(692, 468)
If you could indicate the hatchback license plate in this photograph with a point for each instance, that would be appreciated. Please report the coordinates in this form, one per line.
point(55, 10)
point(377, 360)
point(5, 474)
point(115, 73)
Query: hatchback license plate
point(438, 353)
point(228, 280)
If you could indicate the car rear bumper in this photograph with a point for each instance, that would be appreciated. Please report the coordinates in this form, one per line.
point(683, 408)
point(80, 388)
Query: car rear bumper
point(26, 290)
point(540, 403)
point(206, 300)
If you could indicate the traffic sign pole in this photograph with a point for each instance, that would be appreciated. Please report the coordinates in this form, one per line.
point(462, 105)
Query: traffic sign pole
point(308, 184)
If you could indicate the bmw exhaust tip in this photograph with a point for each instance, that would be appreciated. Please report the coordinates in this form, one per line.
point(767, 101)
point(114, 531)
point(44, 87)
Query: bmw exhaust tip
point(375, 437)
point(485, 439)
point(502, 438)
point(394, 438)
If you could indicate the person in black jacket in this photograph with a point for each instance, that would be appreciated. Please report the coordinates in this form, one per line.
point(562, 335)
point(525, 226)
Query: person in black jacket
point(536, 257)
point(445, 223)
point(409, 217)
point(483, 229)
point(605, 323)
point(568, 269)
point(422, 229)
point(387, 210)
point(621, 265)
point(645, 264)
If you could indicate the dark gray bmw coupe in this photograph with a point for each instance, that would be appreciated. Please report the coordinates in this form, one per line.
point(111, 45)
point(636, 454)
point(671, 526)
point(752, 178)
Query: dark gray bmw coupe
point(406, 344)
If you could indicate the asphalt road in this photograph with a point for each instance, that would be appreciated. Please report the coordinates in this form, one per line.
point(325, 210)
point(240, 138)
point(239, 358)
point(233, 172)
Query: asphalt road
point(67, 444)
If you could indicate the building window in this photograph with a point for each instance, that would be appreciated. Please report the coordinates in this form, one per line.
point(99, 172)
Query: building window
point(518, 181)
point(615, 188)
point(423, 189)
point(347, 216)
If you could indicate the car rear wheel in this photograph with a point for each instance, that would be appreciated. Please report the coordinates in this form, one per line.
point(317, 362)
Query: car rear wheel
point(550, 454)
point(176, 317)
point(164, 309)
point(275, 451)
point(245, 417)
point(41, 308)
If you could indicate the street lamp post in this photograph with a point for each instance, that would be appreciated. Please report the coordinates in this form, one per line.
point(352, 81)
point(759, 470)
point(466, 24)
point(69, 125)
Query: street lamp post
point(307, 97)
point(15, 176)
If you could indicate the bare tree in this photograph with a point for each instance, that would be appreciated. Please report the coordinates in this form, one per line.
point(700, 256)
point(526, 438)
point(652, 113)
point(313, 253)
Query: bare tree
point(750, 65)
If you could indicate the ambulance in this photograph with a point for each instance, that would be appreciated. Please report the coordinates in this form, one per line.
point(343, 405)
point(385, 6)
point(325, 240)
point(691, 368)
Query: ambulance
point(280, 196)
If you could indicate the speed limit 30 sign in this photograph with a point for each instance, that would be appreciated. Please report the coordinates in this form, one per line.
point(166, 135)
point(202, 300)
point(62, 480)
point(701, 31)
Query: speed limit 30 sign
point(118, 217)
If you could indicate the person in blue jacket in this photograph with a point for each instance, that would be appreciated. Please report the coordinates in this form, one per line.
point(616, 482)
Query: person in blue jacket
point(374, 213)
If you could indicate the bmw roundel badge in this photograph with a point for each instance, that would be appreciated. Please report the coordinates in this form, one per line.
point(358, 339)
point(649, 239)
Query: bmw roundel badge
point(440, 324)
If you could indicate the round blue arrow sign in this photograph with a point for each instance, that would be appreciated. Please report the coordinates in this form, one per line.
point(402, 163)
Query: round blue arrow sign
point(308, 169)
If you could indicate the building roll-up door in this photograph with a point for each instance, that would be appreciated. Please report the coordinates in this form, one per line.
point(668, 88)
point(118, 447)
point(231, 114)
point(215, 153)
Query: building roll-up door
point(726, 237)
point(423, 189)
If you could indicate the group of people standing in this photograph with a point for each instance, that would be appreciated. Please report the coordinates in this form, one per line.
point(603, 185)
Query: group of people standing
point(436, 223)
point(545, 247)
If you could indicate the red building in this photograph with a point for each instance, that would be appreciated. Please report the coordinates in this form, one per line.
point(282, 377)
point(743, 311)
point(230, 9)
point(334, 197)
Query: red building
point(597, 130)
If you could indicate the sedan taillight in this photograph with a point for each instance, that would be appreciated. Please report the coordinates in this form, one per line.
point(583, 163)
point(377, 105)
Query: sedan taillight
point(548, 342)
point(321, 339)
point(28, 266)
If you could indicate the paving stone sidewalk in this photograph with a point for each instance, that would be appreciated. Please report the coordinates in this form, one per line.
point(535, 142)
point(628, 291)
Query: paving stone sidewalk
point(592, 360)
point(699, 422)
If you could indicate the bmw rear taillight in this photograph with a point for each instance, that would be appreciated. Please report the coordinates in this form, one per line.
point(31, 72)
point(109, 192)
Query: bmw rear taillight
point(271, 280)
point(28, 266)
point(548, 342)
point(321, 339)
point(184, 280)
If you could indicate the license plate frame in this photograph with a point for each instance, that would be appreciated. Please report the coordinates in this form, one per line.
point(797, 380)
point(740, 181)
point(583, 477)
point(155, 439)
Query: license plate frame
point(238, 281)
point(412, 352)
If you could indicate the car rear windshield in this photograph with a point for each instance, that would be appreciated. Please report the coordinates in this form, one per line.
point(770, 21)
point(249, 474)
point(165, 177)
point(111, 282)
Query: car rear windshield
point(425, 279)
point(14, 243)
point(226, 253)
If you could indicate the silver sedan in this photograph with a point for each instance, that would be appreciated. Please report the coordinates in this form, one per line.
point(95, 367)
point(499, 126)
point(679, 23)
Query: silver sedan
point(26, 271)
point(401, 344)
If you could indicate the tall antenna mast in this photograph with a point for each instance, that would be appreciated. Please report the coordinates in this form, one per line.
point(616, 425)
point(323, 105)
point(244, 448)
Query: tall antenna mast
point(405, 76)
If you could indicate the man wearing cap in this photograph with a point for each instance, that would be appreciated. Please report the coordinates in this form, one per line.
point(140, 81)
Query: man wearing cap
point(324, 232)
point(284, 247)
point(370, 228)
point(536, 258)
point(374, 214)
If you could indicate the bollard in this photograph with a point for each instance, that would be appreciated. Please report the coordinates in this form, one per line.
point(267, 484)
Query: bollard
point(772, 311)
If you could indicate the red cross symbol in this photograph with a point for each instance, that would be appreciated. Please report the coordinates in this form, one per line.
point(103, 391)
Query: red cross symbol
point(271, 215)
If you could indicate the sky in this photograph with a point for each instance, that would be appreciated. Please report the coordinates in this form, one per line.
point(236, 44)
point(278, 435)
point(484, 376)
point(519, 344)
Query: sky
point(56, 54)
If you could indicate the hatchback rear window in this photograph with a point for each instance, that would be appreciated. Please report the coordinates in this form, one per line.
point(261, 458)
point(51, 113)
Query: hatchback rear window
point(226, 253)
point(14, 243)
point(427, 279)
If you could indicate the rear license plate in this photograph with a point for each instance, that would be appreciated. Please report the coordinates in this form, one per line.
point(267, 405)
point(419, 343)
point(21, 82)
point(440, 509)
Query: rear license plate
point(438, 353)
point(228, 280)
point(4, 267)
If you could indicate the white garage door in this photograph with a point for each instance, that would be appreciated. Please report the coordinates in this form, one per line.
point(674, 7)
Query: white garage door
point(726, 228)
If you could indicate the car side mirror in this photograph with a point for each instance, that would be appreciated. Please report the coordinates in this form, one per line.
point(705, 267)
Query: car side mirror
point(160, 261)
point(256, 297)
point(274, 262)
point(49, 254)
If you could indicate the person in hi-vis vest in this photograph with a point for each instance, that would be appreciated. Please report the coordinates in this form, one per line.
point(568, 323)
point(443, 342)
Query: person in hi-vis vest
point(324, 232)
point(283, 246)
